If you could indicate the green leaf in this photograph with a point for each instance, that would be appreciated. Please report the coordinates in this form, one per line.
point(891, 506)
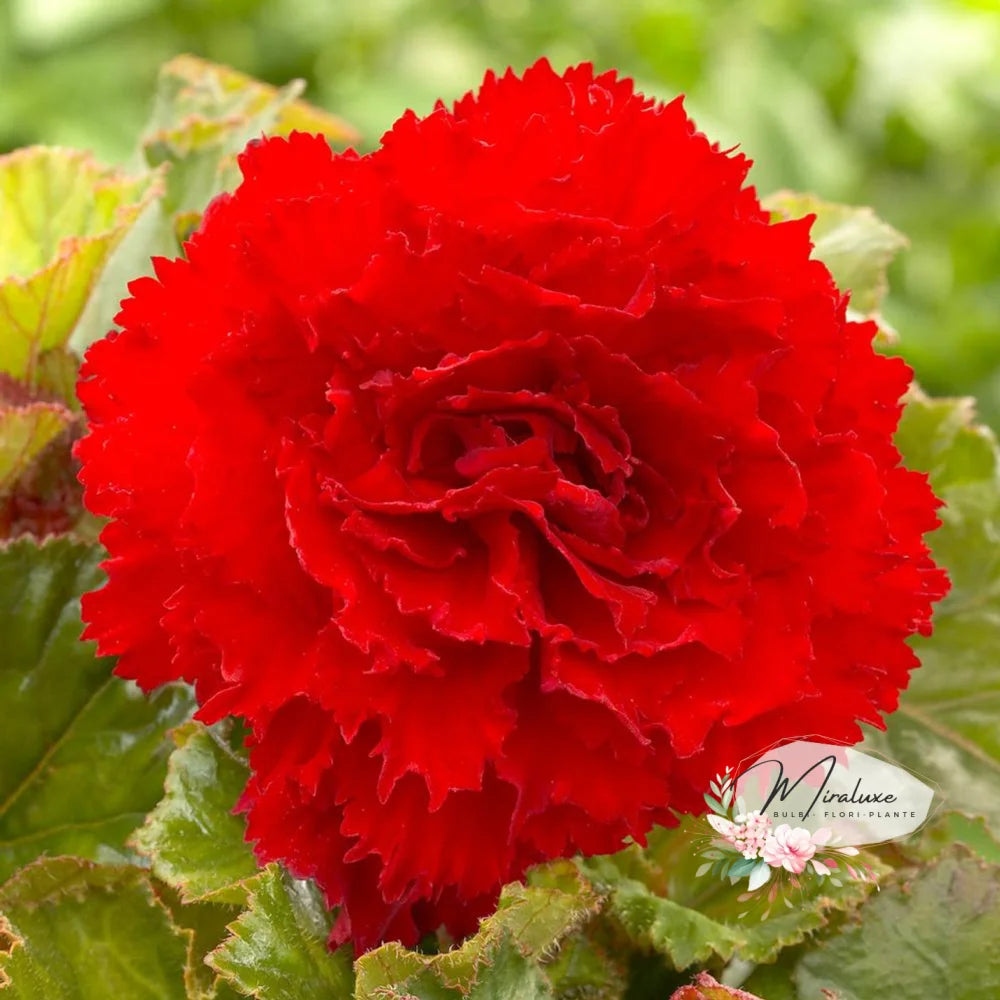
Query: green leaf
point(503, 974)
point(86, 932)
point(775, 981)
point(944, 830)
point(194, 94)
point(932, 934)
point(63, 215)
point(507, 973)
point(24, 433)
point(207, 925)
point(194, 841)
point(530, 922)
point(203, 117)
point(56, 376)
point(659, 903)
point(585, 966)
point(853, 242)
point(946, 728)
point(84, 754)
point(278, 947)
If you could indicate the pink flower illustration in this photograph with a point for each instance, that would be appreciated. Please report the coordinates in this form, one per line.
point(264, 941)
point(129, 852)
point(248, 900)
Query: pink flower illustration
point(791, 849)
point(747, 833)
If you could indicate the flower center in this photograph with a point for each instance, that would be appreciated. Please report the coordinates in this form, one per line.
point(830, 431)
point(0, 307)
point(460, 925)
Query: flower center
point(457, 447)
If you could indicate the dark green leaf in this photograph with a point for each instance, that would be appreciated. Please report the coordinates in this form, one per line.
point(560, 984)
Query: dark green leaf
point(207, 925)
point(84, 754)
point(933, 935)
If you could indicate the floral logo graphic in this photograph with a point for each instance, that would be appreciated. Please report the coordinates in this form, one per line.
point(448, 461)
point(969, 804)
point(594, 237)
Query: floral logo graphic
point(748, 845)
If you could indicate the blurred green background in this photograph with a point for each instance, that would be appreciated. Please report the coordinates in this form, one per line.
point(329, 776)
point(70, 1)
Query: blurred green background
point(892, 103)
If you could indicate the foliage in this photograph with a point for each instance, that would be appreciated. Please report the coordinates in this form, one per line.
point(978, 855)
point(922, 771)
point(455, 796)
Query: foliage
point(946, 727)
point(932, 929)
point(81, 931)
point(83, 753)
point(123, 865)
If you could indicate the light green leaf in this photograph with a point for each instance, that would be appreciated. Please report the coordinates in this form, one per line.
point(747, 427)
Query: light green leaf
point(152, 235)
point(203, 117)
point(933, 934)
point(62, 215)
point(946, 726)
point(83, 753)
point(504, 974)
point(193, 93)
point(194, 841)
point(278, 948)
point(530, 920)
point(24, 433)
point(759, 875)
point(854, 243)
point(660, 904)
point(86, 932)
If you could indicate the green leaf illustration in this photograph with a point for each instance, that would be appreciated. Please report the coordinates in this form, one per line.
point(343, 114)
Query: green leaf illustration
point(278, 947)
point(192, 837)
point(82, 754)
point(63, 214)
point(81, 931)
point(945, 728)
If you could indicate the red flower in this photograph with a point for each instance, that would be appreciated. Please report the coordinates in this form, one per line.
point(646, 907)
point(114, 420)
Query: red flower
point(508, 481)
